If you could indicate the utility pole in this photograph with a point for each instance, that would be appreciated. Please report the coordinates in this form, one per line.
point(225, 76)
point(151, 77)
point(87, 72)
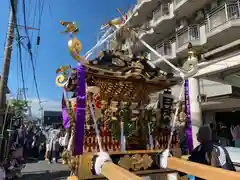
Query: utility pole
point(7, 59)
point(4, 81)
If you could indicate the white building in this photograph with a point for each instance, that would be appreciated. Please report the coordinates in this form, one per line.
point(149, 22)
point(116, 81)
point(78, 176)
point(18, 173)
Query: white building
point(212, 28)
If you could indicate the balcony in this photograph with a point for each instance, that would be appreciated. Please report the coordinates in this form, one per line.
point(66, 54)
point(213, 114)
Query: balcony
point(192, 34)
point(162, 21)
point(166, 49)
point(143, 8)
point(185, 8)
point(223, 24)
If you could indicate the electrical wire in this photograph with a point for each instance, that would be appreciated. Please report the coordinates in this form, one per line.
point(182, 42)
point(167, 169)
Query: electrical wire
point(33, 25)
point(29, 49)
point(36, 50)
point(34, 74)
point(41, 7)
point(19, 47)
point(18, 84)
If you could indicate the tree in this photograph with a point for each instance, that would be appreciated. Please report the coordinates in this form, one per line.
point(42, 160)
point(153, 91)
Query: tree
point(19, 108)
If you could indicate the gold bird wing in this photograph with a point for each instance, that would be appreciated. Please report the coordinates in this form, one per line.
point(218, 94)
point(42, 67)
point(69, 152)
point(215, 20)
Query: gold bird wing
point(63, 68)
point(70, 27)
point(114, 22)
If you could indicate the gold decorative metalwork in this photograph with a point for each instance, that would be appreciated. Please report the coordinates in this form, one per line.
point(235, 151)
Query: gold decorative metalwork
point(73, 163)
point(70, 27)
point(182, 117)
point(125, 162)
point(65, 156)
point(146, 161)
point(136, 162)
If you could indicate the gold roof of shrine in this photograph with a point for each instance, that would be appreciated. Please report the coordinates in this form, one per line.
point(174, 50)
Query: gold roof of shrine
point(116, 71)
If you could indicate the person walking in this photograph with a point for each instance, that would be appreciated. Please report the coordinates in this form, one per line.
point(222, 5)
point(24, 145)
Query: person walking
point(53, 145)
point(210, 153)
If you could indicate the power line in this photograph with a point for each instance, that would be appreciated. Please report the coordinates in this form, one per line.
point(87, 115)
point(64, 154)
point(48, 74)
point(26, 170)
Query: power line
point(33, 25)
point(41, 7)
point(29, 49)
point(19, 46)
point(36, 51)
point(18, 71)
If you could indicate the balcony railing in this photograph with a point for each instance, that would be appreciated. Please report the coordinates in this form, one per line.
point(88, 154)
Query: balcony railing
point(223, 14)
point(176, 2)
point(187, 35)
point(146, 25)
point(164, 49)
point(160, 11)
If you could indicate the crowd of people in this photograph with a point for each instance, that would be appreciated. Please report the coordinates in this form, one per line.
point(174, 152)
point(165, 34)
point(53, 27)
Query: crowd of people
point(33, 143)
point(36, 143)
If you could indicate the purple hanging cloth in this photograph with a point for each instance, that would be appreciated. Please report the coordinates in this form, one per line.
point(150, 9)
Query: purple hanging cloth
point(65, 117)
point(189, 118)
point(80, 110)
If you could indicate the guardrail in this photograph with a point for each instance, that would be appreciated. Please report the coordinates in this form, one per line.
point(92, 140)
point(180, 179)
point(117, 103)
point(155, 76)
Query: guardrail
point(164, 48)
point(176, 2)
point(187, 35)
point(160, 11)
point(223, 14)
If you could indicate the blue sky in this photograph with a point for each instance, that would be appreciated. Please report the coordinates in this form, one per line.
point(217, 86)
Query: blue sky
point(89, 14)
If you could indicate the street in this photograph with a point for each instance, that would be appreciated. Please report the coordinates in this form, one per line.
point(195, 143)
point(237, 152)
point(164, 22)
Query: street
point(41, 170)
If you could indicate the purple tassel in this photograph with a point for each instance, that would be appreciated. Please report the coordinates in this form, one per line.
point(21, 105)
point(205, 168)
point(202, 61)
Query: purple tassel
point(189, 119)
point(80, 110)
point(65, 117)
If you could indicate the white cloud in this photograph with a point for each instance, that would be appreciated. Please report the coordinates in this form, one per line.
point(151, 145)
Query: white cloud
point(48, 105)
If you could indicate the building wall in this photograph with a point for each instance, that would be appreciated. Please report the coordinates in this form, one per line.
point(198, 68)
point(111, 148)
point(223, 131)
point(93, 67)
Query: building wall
point(212, 88)
point(52, 117)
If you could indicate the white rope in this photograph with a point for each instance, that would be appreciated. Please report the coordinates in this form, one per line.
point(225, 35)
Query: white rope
point(110, 36)
point(176, 115)
point(159, 55)
point(99, 43)
point(96, 127)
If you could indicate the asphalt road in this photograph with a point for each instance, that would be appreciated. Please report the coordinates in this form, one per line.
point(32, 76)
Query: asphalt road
point(41, 170)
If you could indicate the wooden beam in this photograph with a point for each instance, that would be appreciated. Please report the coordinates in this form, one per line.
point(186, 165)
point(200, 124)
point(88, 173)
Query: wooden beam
point(113, 171)
point(200, 170)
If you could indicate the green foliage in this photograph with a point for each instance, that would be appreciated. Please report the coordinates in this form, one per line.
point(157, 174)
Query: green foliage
point(123, 115)
point(19, 107)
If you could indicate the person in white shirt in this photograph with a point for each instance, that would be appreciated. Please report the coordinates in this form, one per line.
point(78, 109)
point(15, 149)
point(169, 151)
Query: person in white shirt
point(235, 131)
point(53, 145)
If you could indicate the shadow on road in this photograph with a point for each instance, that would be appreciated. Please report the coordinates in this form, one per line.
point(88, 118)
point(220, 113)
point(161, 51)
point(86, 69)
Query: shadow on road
point(31, 160)
point(45, 175)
